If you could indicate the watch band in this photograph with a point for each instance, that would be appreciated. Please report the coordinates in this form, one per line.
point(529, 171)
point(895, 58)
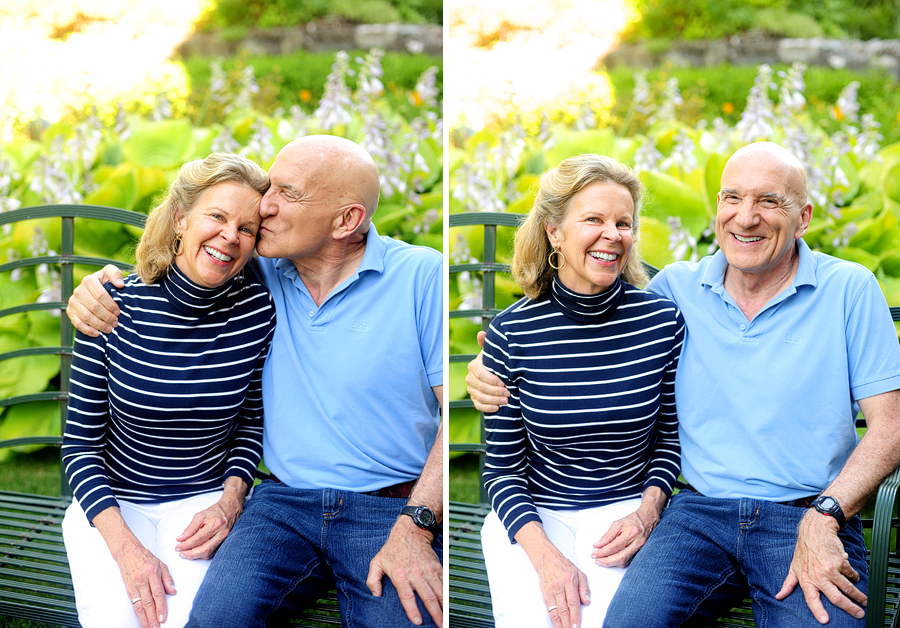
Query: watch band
point(829, 506)
point(423, 517)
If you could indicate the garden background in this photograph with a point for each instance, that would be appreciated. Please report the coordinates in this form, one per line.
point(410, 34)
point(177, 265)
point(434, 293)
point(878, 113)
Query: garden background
point(97, 106)
point(533, 82)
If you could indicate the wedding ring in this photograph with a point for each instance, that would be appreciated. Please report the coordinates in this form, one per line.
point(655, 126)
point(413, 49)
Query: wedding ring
point(551, 608)
point(137, 599)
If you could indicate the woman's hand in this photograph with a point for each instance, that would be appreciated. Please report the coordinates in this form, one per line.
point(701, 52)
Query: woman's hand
point(626, 536)
point(208, 528)
point(146, 578)
point(564, 586)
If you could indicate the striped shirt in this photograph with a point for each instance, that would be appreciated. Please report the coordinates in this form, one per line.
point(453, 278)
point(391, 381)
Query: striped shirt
point(591, 416)
point(169, 404)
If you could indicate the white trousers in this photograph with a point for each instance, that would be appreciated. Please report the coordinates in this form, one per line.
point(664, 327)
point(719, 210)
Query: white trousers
point(100, 594)
point(515, 591)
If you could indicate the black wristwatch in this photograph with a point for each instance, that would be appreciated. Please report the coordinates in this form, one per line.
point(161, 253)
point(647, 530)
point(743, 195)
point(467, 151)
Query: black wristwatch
point(424, 518)
point(828, 505)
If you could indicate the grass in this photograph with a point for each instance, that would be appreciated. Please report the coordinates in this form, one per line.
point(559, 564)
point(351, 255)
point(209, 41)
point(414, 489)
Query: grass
point(464, 480)
point(36, 472)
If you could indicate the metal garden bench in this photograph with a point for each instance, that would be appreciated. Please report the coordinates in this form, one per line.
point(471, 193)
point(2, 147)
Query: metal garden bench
point(35, 583)
point(470, 598)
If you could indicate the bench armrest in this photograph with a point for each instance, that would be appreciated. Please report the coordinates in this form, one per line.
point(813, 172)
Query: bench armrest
point(885, 507)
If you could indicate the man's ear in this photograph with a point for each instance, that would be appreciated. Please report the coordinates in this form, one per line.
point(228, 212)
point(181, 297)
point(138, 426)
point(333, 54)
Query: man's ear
point(349, 221)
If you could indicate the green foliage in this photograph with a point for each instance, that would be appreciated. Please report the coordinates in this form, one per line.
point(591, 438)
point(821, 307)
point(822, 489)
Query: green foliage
point(669, 20)
point(246, 14)
point(299, 79)
point(722, 91)
point(130, 160)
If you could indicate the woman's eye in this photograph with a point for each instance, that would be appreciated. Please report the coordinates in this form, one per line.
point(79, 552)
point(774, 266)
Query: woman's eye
point(248, 230)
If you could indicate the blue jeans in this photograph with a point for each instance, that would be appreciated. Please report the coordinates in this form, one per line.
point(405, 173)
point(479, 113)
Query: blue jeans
point(292, 545)
point(708, 554)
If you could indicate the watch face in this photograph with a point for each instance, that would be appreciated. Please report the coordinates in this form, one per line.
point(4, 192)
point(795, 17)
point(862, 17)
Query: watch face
point(426, 516)
point(827, 503)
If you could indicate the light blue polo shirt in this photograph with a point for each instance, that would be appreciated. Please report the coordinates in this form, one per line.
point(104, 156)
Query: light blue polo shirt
point(766, 408)
point(347, 386)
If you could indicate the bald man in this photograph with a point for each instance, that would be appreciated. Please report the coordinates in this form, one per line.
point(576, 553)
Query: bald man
point(784, 347)
point(352, 397)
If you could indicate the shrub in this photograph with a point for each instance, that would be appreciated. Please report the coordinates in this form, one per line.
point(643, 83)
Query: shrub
point(669, 20)
point(299, 79)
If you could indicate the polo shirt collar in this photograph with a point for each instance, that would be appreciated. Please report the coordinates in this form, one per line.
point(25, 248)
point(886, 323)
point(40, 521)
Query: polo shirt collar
point(714, 275)
point(373, 259)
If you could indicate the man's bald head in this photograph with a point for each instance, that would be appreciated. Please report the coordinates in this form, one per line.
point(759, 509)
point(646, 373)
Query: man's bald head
point(779, 159)
point(340, 168)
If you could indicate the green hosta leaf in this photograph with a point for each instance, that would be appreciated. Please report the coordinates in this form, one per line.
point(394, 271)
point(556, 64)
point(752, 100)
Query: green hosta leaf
point(878, 235)
point(24, 376)
point(654, 242)
point(465, 426)
point(457, 378)
point(464, 335)
point(667, 196)
point(891, 182)
point(572, 143)
point(38, 418)
point(119, 190)
point(713, 178)
point(891, 288)
point(859, 256)
point(166, 143)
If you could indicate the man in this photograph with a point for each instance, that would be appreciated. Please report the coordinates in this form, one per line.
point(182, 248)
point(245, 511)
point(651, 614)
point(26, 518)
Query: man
point(784, 346)
point(352, 395)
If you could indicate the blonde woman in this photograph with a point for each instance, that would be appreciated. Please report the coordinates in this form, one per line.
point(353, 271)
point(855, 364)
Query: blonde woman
point(164, 429)
point(582, 459)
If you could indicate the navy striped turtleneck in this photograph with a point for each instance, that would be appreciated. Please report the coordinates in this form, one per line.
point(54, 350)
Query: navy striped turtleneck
point(169, 404)
point(591, 418)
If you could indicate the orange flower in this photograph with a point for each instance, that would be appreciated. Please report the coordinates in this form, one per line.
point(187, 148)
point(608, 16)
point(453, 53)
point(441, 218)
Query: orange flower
point(728, 108)
point(417, 100)
point(305, 95)
point(837, 114)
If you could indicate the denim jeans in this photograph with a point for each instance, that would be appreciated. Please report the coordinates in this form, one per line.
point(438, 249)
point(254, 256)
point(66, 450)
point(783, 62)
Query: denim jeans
point(289, 547)
point(707, 554)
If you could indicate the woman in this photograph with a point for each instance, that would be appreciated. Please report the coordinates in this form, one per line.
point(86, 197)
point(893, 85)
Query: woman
point(582, 460)
point(164, 430)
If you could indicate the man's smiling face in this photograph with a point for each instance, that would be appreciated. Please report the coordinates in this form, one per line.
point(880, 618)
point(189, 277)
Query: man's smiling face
point(762, 210)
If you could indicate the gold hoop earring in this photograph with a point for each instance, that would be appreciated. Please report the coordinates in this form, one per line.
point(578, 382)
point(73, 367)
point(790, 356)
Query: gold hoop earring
point(178, 245)
point(559, 256)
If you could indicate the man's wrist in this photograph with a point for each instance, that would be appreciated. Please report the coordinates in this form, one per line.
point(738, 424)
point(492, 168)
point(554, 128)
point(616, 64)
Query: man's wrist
point(829, 507)
point(423, 517)
point(407, 528)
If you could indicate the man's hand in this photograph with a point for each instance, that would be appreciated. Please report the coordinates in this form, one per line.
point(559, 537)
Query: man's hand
point(408, 559)
point(486, 390)
point(624, 538)
point(820, 565)
point(90, 307)
point(209, 528)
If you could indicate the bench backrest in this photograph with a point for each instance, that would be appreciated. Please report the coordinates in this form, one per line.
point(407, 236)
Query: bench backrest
point(33, 364)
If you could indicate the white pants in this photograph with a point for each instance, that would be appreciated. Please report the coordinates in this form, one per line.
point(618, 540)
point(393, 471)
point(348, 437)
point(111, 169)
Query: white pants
point(100, 594)
point(515, 591)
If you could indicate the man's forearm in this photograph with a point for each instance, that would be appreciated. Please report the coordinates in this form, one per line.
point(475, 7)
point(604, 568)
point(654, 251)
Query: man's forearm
point(429, 490)
point(876, 455)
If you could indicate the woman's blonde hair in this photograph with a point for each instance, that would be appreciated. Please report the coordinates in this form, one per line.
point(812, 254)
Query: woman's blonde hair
point(531, 269)
point(155, 250)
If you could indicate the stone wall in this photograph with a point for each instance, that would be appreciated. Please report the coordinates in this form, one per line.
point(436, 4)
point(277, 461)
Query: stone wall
point(756, 50)
point(321, 36)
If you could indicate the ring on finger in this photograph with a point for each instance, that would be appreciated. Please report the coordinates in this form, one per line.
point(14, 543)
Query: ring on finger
point(136, 600)
point(551, 608)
